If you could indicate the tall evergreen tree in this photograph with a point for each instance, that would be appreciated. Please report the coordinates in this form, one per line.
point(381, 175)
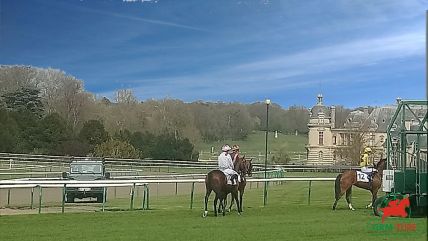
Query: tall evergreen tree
point(24, 99)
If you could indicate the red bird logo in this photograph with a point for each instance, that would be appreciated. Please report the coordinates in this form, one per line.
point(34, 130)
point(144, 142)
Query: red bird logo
point(396, 208)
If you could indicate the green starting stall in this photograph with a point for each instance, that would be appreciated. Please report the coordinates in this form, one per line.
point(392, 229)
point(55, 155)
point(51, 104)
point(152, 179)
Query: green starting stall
point(406, 172)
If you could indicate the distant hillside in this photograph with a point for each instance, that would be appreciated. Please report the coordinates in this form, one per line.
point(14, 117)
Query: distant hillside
point(254, 145)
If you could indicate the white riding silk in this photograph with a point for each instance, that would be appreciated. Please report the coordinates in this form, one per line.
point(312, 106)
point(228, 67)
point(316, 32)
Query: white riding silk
point(225, 165)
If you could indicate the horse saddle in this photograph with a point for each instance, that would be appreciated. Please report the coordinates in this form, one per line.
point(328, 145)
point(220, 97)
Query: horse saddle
point(363, 177)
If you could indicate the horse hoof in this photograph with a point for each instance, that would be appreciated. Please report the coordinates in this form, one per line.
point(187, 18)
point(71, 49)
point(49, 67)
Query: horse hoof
point(239, 214)
point(205, 214)
point(229, 210)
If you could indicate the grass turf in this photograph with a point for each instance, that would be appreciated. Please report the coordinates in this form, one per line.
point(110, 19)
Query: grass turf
point(254, 144)
point(286, 217)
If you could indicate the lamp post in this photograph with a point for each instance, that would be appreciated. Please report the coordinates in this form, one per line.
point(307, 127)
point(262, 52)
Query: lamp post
point(266, 150)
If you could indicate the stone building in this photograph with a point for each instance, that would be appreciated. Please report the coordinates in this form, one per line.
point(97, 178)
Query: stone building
point(326, 139)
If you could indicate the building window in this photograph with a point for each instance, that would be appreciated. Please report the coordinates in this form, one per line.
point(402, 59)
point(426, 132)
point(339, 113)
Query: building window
point(334, 140)
point(372, 139)
point(321, 138)
point(320, 156)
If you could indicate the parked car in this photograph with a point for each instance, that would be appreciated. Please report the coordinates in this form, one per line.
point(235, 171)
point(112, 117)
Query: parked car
point(85, 170)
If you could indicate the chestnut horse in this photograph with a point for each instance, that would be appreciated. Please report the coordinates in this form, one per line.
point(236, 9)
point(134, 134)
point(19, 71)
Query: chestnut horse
point(348, 178)
point(216, 181)
point(243, 167)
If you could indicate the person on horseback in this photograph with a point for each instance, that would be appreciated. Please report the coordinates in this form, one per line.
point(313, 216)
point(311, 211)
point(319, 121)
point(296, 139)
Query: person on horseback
point(366, 164)
point(225, 164)
point(235, 153)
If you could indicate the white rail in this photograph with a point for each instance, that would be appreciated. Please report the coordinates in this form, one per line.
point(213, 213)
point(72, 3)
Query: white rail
point(105, 183)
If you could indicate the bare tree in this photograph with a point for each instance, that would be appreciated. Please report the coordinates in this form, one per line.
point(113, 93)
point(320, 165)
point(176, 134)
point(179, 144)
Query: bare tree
point(341, 114)
point(15, 77)
point(126, 96)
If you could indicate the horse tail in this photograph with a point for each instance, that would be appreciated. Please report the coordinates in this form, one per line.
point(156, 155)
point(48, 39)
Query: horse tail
point(337, 186)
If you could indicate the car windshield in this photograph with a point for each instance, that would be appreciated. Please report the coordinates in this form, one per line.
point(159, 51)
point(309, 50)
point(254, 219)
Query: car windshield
point(85, 168)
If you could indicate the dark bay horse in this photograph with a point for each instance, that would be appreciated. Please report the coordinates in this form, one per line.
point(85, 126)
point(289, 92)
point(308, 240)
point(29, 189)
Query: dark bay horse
point(216, 181)
point(344, 182)
point(243, 167)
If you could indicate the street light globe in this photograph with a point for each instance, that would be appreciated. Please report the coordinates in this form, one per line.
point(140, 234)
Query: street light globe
point(267, 101)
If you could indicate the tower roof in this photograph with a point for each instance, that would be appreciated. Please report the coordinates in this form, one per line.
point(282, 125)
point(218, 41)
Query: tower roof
point(320, 108)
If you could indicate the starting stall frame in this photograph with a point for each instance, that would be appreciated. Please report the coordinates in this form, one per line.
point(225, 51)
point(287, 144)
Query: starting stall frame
point(406, 148)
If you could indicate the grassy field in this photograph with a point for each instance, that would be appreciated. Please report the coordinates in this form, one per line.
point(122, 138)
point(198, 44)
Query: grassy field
point(286, 217)
point(255, 144)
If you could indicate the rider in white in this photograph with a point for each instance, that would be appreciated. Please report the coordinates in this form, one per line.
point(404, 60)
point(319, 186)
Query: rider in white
point(225, 163)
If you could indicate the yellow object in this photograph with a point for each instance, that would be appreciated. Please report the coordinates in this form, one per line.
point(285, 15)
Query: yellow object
point(365, 160)
point(367, 150)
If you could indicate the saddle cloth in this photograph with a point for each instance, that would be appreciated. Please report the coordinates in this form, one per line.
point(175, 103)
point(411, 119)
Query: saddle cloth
point(362, 177)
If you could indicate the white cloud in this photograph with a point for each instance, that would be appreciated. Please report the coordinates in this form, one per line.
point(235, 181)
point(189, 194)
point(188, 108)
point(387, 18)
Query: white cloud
point(276, 72)
point(345, 55)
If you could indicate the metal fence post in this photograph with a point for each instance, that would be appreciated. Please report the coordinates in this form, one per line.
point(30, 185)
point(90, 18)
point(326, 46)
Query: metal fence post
point(63, 197)
point(32, 198)
point(309, 194)
point(40, 199)
point(132, 197)
point(104, 198)
point(148, 197)
point(191, 195)
point(265, 193)
point(8, 197)
point(143, 202)
point(176, 187)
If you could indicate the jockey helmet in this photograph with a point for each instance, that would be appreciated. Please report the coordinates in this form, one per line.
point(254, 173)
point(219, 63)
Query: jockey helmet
point(225, 148)
point(235, 148)
point(367, 150)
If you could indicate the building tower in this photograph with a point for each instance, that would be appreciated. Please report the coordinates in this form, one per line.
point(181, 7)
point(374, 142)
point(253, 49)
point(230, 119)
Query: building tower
point(319, 148)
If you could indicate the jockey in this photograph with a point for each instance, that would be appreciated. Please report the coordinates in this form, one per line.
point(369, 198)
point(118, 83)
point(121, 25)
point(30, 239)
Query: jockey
point(225, 163)
point(235, 153)
point(366, 163)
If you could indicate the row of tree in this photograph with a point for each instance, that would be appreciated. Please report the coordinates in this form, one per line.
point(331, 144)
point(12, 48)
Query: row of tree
point(24, 130)
point(64, 94)
point(47, 104)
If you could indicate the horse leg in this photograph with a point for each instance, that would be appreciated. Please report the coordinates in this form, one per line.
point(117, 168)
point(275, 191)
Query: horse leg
point(241, 194)
point(348, 198)
point(231, 204)
point(374, 197)
point(235, 197)
point(338, 190)
point(207, 195)
point(215, 204)
point(223, 204)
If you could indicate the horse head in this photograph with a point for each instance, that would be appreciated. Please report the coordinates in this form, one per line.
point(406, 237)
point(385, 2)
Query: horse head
point(380, 165)
point(243, 166)
point(249, 166)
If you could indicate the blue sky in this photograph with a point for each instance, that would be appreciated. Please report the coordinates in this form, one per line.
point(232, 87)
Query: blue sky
point(356, 53)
